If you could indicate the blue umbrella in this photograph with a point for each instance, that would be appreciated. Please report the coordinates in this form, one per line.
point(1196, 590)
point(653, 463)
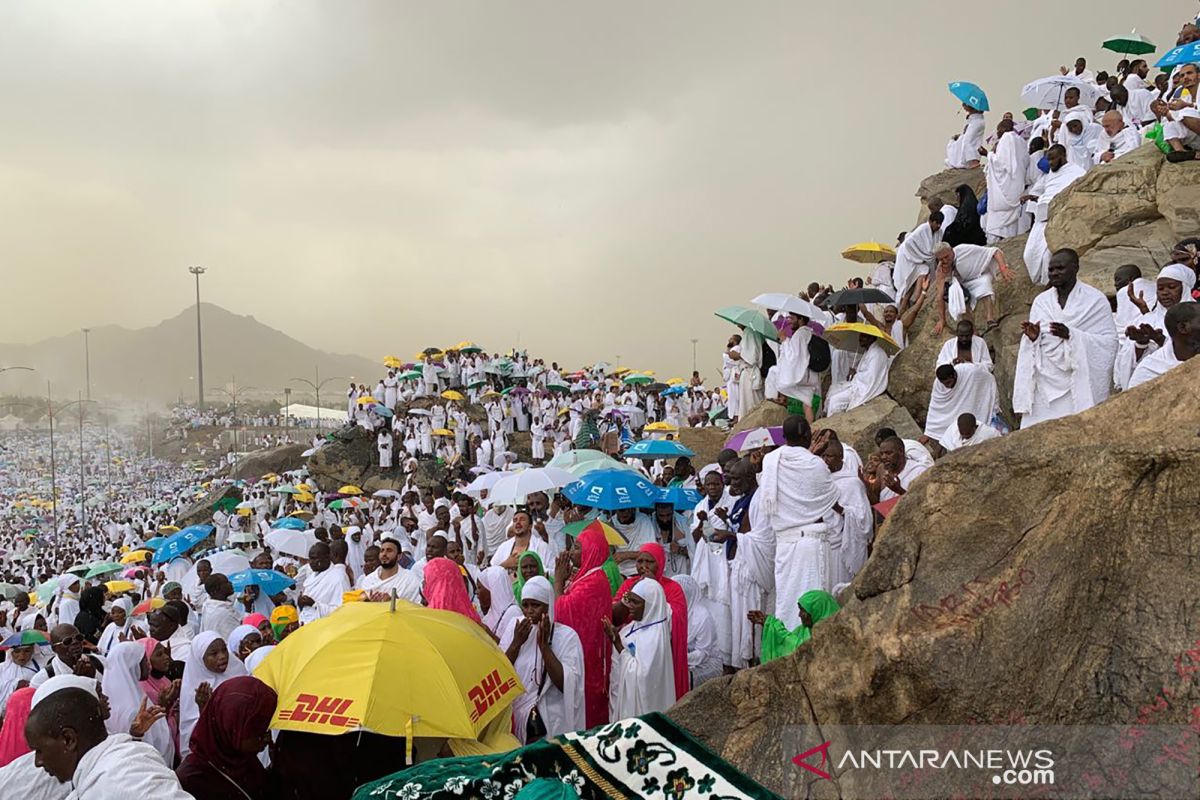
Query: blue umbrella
point(970, 94)
point(179, 543)
point(268, 580)
point(658, 448)
point(289, 523)
point(683, 499)
point(382, 410)
point(610, 489)
point(1184, 54)
point(674, 390)
point(155, 543)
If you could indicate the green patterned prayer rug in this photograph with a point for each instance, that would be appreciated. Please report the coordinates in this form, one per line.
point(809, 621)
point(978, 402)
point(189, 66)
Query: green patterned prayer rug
point(643, 757)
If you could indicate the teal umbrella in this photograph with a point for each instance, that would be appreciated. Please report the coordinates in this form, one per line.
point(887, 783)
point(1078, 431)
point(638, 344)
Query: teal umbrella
point(1130, 44)
point(749, 318)
point(969, 94)
point(98, 568)
point(637, 380)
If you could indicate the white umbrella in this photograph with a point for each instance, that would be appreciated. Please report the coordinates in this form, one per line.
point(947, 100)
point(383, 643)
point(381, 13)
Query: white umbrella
point(1048, 93)
point(513, 488)
point(419, 412)
point(484, 483)
point(789, 303)
point(293, 543)
point(387, 493)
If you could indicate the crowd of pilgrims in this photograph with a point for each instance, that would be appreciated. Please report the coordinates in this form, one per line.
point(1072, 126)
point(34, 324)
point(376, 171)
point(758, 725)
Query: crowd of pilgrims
point(155, 677)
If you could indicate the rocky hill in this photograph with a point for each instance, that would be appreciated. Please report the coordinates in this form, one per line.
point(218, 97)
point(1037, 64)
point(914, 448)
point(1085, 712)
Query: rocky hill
point(1047, 577)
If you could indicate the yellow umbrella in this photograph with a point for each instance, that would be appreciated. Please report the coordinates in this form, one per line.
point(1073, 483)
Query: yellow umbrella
point(675, 381)
point(116, 587)
point(396, 669)
point(304, 487)
point(621, 371)
point(243, 512)
point(302, 514)
point(869, 253)
point(661, 426)
point(393, 362)
point(442, 432)
point(844, 336)
point(349, 490)
point(303, 497)
point(362, 401)
point(135, 557)
point(450, 394)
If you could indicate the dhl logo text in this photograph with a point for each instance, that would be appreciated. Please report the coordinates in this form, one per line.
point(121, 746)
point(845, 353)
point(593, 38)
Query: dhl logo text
point(489, 690)
point(321, 711)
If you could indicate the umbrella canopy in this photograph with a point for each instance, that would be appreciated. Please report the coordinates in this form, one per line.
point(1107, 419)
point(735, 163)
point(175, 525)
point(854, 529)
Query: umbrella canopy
point(844, 336)
point(682, 499)
point(572, 457)
point(611, 534)
point(1049, 93)
point(362, 401)
point(658, 448)
point(116, 587)
point(637, 380)
point(145, 607)
point(610, 489)
point(673, 391)
point(24, 639)
point(558, 387)
point(289, 523)
point(9, 590)
point(136, 556)
point(268, 580)
point(869, 253)
point(484, 483)
point(386, 493)
point(349, 489)
point(969, 94)
point(301, 514)
point(395, 669)
point(514, 487)
point(661, 427)
point(344, 503)
point(382, 410)
point(292, 543)
point(225, 562)
point(1184, 54)
point(857, 297)
point(749, 318)
point(167, 530)
point(98, 568)
point(450, 394)
point(756, 438)
point(287, 488)
point(419, 412)
point(1129, 44)
point(411, 375)
point(393, 362)
point(179, 543)
point(441, 432)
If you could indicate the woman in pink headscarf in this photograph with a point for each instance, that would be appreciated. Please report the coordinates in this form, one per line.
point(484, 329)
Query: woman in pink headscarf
point(444, 588)
point(161, 690)
point(676, 599)
point(583, 606)
point(12, 735)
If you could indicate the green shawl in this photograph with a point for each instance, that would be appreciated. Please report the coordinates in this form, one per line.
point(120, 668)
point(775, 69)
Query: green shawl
point(778, 641)
point(519, 583)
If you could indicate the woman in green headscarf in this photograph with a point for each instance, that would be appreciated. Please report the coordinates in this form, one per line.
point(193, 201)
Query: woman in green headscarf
point(529, 565)
point(778, 641)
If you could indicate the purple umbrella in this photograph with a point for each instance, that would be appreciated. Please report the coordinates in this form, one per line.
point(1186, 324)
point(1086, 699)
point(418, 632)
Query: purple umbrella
point(735, 442)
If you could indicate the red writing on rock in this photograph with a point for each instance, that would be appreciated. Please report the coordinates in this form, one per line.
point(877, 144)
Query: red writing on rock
point(321, 711)
point(975, 599)
point(489, 690)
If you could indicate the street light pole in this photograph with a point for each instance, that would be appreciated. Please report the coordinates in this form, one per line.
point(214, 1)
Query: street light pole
point(53, 470)
point(694, 354)
point(316, 385)
point(87, 362)
point(82, 477)
point(198, 271)
point(287, 405)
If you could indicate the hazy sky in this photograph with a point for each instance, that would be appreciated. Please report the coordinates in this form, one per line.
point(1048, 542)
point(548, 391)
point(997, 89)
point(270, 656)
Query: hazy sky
point(593, 178)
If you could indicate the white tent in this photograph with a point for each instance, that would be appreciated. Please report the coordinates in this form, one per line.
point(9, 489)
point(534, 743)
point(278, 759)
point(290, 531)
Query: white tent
point(329, 416)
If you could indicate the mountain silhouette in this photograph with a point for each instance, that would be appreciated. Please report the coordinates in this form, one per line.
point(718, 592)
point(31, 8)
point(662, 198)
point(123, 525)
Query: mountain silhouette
point(158, 363)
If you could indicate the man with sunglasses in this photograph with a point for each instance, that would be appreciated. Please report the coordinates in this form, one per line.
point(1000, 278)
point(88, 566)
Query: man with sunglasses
point(69, 656)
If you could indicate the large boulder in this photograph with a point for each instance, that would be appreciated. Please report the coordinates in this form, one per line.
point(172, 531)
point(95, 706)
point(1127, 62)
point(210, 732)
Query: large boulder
point(1178, 196)
point(350, 458)
point(1109, 198)
point(706, 443)
point(201, 511)
point(764, 415)
point(264, 462)
point(857, 426)
point(1048, 576)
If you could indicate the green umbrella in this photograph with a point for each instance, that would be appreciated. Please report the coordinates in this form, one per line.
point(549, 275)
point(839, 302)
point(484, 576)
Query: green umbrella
point(636, 379)
point(286, 489)
point(558, 387)
point(9, 590)
point(1131, 44)
point(225, 504)
point(78, 569)
point(48, 588)
point(749, 318)
point(411, 375)
point(99, 568)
